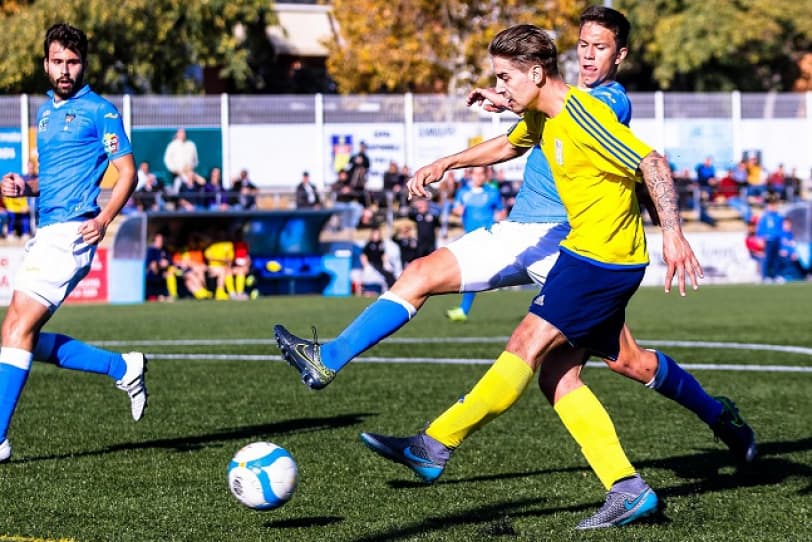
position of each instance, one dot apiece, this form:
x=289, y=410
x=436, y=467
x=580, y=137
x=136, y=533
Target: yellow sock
x=592, y=428
x=495, y=392
x=230, y=284
x=172, y=283
x=220, y=294
x=240, y=284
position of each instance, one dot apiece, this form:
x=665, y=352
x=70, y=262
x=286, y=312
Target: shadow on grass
x=298, y=523
x=495, y=520
x=197, y=442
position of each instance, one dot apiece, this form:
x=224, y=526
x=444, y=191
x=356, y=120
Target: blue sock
x=385, y=316
x=15, y=364
x=70, y=353
x=467, y=301
x=679, y=385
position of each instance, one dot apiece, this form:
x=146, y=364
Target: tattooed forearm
x=660, y=183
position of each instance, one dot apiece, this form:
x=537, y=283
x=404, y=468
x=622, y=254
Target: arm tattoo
x=660, y=183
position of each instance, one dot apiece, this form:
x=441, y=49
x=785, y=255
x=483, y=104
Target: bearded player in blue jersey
x=515, y=251
x=78, y=134
x=480, y=205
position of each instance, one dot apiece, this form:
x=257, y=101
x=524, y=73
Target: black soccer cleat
x=305, y=357
x=731, y=429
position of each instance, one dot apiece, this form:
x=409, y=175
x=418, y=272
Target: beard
x=65, y=87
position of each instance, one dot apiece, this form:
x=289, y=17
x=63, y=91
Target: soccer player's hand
x=423, y=177
x=13, y=185
x=92, y=231
x=489, y=99
x=681, y=261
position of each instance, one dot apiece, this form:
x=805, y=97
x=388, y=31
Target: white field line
x=461, y=361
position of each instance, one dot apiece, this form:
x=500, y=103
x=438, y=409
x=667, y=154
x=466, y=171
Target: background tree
x=143, y=46
x=429, y=45
x=701, y=45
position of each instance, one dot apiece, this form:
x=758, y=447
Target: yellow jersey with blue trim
x=594, y=159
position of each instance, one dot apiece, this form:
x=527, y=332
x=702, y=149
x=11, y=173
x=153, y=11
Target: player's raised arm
x=492, y=151
x=677, y=252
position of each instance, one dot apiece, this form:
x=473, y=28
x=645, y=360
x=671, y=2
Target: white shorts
x=55, y=260
x=507, y=254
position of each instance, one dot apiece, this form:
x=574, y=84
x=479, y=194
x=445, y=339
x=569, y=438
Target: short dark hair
x=69, y=36
x=526, y=44
x=611, y=19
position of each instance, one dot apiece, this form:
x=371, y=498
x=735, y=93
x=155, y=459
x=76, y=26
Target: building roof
x=302, y=28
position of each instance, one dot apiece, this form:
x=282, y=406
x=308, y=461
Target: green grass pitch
x=83, y=471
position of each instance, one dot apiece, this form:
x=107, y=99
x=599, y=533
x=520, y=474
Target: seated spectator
x=756, y=183
x=158, y=265
x=243, y=192
x=345, y=199
x=776, y=182
x=393, y=189
x=189, y=190
x=793, y=185
x=150, y=197
x=241, y=269
x=19, y=216
x=706, y=178
x=213, y=193
x=307, y=196
x=189, y=265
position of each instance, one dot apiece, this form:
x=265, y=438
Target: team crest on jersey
x=110, y=143
x=69, y=117
x=559, y=152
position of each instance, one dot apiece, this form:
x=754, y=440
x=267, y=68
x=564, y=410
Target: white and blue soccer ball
x=262, y=476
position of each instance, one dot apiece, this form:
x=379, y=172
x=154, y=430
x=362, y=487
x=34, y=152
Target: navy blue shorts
x=587, y=302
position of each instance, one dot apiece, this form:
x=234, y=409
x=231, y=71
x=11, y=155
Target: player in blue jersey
x=480, y=205
x=78, y=134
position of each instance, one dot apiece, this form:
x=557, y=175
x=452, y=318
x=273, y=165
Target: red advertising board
x=92, y=288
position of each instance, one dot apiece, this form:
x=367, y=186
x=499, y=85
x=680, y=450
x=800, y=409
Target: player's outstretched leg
x=731, y=429
x=304, y=356
x=627, y=501
x=422, y=454
x=133, y=382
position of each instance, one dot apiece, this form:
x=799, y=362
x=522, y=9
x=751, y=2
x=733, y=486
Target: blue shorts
x=587, y=302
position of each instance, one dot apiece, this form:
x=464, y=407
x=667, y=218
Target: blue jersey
x=538, y=199
x=479, y=206
x=76, y=139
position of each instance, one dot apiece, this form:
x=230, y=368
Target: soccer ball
x=262, y=475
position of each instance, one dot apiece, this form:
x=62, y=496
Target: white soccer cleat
x=133, y=382
x=5, y=451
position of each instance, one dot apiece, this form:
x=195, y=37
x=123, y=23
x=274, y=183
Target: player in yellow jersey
x=594, y=161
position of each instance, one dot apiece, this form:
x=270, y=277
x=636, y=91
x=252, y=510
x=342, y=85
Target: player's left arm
x=677, y=252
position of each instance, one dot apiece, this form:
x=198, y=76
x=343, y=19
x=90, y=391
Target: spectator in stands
x=213, y=193
x=373, y=257
x=427, y=223
x=405, y=238
x=307, y=196
x=345, y=200
x=32, y=174
x=180, y=153
x=770, y=229
x=728, y=192
x=794, y=185
x=789, y=261
x=756, y=183
x=158, y=265
x=706, y=178
x=150, y=197
x=244, y=192
x=394, y=187
x=358, y=171
x=142, y=174
x=776, y=182
x=740, y=174
x=189, y=190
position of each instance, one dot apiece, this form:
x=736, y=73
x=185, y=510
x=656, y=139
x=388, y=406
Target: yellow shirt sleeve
x=527, y=131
